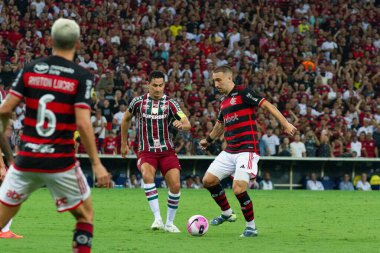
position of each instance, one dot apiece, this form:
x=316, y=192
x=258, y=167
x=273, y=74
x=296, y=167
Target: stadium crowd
x=319, y=63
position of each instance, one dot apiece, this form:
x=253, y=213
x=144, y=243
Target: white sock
x=251, y=224
x=227, y=212
x=173, y=200
x=7, y=227
x=152, y=196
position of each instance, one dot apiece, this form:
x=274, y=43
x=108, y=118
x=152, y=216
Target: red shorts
x=164, y=161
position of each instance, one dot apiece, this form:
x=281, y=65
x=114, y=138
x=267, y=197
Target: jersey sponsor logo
x=149, y=116
x=231, y=118
x=14, y=195
x=41, y=68
x=43, y=148
x=54, y=83
x=61, y=201
x=251, y=97
x=234, y=94
x=233, y=101
x=61, y=69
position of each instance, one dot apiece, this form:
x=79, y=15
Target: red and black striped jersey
x=154, y=119
x=51, y=87
x=237, y=113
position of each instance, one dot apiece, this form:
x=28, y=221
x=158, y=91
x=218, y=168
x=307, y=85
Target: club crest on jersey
x=164, y=107
x=154, y=110
x=233, y=101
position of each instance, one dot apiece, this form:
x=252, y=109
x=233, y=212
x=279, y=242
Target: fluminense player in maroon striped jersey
x=156, y=112
x=237, y=121
x=57, y=97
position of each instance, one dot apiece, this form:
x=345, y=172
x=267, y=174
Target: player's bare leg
x=212, y=184
x=148, y=173
x=6, y=214
x=240, y=190
x=172, y=178
x=83, y=232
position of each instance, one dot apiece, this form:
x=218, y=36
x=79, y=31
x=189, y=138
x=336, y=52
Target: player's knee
x=209, y=181
x=175, y=188
x=237, y=189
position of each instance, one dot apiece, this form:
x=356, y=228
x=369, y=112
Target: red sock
x=82, y=238
x=219, y=196
x=246, y=206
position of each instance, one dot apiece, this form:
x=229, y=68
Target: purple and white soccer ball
x=197, y=225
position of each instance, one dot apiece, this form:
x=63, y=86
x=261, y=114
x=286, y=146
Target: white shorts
x=242, y=166
x=69, y=188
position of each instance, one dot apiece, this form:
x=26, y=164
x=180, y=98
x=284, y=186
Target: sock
x=246, y=208
x=173, y=200
x=152, y=196
x=7, y=227
x=82, y=238
x=218, y=194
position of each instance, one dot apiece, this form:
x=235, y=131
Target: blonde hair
x=65, y=33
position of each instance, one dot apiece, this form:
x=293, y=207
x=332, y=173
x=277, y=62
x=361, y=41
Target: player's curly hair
x=156, y=74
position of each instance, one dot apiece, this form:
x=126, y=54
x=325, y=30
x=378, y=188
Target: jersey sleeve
x=132, y=108
x=176, y=110
x=83, y=96
x=18, y=85
x=250, y=97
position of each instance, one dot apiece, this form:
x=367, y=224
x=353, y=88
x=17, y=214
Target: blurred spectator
x=284, y=149
x=110, y=146
x=99, y=123
x=362, y=184
x=134, y=182
x=252, y=184
x=297, y=148
x=311, y=144
x=271, y=142
x=314, y=184
x=266, y=183
x=356, y=146
x=346, y=184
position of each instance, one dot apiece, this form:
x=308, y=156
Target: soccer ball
x=197, y=225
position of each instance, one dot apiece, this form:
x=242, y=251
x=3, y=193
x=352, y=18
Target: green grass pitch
x=288, y=221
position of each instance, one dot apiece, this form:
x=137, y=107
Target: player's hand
x=102, y=176
x=204, y=144
x=177, y=124
x=124, y=150
x=3, y=172
x=290, y=129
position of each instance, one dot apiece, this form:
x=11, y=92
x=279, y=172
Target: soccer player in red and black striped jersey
x=237, y=121
x=156, y=112
x=57, y=97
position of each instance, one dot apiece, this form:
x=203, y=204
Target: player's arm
x=87, y=137
x=181, y=122
x=6, y=109
x=289, y=128
x=125, y=125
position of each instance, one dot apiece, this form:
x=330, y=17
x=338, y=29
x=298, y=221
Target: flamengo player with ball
x=237, y=122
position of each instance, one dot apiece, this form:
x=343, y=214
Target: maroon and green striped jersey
x=154, y=118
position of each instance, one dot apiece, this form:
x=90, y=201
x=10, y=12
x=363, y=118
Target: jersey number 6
x=45, y=114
